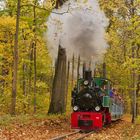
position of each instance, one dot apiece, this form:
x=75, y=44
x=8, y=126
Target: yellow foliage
x=49, y=4
x=7, y=23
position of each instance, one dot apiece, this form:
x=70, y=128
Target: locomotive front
x=93, y=103
x=86, y=96
x=86, y=104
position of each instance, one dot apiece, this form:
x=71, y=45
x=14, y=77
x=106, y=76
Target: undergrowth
x=7, y=120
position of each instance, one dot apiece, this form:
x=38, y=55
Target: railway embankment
x=45, y=128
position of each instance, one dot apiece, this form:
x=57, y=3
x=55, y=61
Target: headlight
x=85, y=83
x=75, y=108
x=97, y=108
x=88, y=95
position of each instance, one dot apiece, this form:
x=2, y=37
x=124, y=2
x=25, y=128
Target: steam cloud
x=81, y=30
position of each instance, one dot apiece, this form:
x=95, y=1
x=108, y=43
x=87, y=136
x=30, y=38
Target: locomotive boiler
x=86, y=97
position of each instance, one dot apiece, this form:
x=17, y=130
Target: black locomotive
x=93, y=104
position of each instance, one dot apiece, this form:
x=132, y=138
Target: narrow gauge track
x=74, y=135
x=77, y=135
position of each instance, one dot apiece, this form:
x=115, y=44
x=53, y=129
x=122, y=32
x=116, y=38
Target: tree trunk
x=34, y=50
x=59, y=3
x=137, y=95
x=72, y=79
x=34, y=78
x=15, y=65
x=134, y=89
x=24, y=85
x=30, y=74
x=57, y=104
x=138, y=82
x=24, y=80
x=67, y=83
x=132, y=13
x=4, y=73
x=104, y=70
x=30, y=68
x=78, y=68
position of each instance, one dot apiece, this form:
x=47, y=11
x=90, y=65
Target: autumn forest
x=27, y=68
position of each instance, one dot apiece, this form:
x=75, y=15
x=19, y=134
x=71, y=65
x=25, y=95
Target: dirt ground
x=44, y=129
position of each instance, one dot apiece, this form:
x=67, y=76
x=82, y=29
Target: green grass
x=138, y=138
x=51, y=116
x=7, y=120
x=138, y=120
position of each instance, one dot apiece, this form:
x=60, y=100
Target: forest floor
x=44, y=128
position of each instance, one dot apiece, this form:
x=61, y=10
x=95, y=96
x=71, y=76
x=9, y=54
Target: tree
x=26, y=59
x=15, y=65
x=122, y=35
x=34, y=49
x=58, y=97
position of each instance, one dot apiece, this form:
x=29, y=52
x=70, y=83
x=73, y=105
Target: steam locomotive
x=94, y=104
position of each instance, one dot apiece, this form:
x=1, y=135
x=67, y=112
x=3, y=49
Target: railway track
x=78, y=135
x=73, y=136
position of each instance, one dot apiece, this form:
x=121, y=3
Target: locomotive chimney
x=88, y=75
x=84, y=69
x=104, y=70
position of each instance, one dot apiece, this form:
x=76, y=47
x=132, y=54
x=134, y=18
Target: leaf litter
x=45, y=129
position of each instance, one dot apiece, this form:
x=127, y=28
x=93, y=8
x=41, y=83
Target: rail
x=67, y=136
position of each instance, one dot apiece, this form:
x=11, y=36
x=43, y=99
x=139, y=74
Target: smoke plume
x=80, y=28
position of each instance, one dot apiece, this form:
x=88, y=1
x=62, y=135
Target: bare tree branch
x=48, y=10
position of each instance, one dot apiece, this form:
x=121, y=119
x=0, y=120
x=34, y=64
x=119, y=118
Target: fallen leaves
x=121, y=130
x=35, y=130
x=45, y=129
